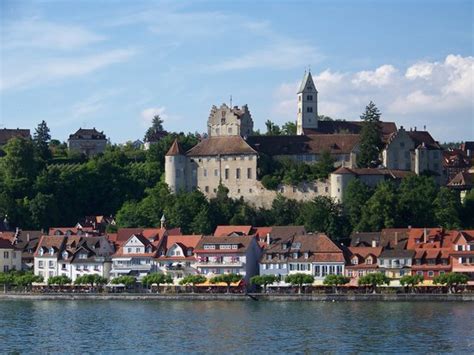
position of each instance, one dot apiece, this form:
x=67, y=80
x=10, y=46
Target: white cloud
x=437, y=94
x=35, y=33
x=20, y=75
x=282, y=54
x=381, y=76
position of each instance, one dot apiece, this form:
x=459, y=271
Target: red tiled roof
x=5, y=244
x=224, y=231
x=366, y=251
x=227, y=145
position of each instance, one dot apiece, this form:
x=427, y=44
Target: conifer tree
x=41, y=140
x=370, y=137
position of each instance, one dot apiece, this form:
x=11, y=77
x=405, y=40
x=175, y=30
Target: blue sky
x=114, y=64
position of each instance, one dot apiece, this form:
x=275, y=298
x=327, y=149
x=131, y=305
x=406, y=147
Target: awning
x=207, y=283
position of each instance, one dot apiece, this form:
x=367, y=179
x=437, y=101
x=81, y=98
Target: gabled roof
x=243, y=243
x=351, y=127
x=364, y=252
x=463, y=179
x=6, y=134
x=224, y=231
x=304, y=144
x=423, y=138
x=92, y=132
x=224, y=145
x=175, y=149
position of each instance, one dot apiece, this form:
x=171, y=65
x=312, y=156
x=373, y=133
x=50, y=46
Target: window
x=209, y=246
x=51, y=273
x=229, y=130
x=40, y=264
x=250, y=190
x=137, y=250
x=237, y=173
x=249, y=173
x=216, y=172
x=309, y=97
x=129, y=250
x=226, y=174
x=430, y=273
x=309, y=109
x=355, y=260
x=51, y=264
x=204, y=172
x=419, y=273
x=14, y=255
x=206, y=189
x=5, y=268
x=6, y=254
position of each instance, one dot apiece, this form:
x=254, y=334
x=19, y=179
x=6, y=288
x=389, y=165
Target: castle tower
x=175, y=167
x=307, y=105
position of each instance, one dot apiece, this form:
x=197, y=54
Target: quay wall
x=466, y=297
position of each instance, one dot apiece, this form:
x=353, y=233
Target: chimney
x=374, y=243
x=27, y=237
x=268, y=239
x=425, y=233
x=396, y=239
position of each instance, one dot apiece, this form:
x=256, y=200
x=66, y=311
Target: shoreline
x=469, y=297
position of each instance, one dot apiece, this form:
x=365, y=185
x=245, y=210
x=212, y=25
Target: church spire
x=307, y=105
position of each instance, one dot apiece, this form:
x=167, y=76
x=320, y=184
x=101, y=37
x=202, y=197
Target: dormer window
x=51, y=251
x=41, y=252
x=148, y=249
x=306, y=255
x=65, y=255
x=189, y=252
x=209, y=246
x=355, y=260
x=269, y=256
x=295, y=255
x=369, y=260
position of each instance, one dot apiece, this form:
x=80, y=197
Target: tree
x=380, y=211
x=60, y=280
x=411, y=281
x=374, y=280
x=157, y=278
x=324, y=166
x=452, y=280
x=289, y=128
x=6, y=279
x=41, y=139
x=126, y=280
x=335, y=281
x=91, y=280
x=447, y=208
x=355, y=197
x=299, y=279
x=416, y=195
x=156, y=126
x=193, y=280
x=467, y=211
x=263, y=280
x=370, y=137
x=228, y=279
x=272, y=128
x=26, y=279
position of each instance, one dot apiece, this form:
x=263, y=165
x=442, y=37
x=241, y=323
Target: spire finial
x=230, y=100
x=309, y=68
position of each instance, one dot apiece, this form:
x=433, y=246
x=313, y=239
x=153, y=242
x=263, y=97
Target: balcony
x=220, y=264
x=139, y=267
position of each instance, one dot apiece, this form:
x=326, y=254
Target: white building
x=72, y=256
x=10, y=256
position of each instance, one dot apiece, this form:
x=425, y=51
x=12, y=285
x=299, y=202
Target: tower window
x=237, y=173
x=299, y=98
x=309, y=97
x=309, y=109
x=226, y=174
x=299, y=110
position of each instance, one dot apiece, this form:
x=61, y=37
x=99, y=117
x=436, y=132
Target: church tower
x=307, y=105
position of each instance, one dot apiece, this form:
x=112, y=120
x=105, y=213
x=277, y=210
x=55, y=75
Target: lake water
x=234, y=327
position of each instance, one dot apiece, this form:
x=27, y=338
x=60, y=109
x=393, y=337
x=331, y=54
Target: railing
x=132, y=266
x=221, y=263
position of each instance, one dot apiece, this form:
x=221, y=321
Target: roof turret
x=175, y=149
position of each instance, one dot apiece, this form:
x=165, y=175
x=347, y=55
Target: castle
x=229, y=156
